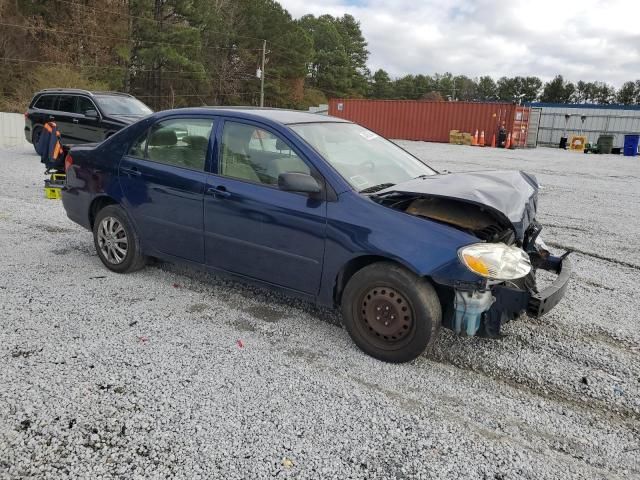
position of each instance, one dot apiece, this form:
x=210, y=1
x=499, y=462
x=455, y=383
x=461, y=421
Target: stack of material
x=460, y=138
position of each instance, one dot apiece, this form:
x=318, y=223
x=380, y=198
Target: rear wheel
x=390, y=313
x=35, y=136
x=116, y=241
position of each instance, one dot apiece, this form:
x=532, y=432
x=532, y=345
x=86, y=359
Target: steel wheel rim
x=386, y=316
x=112, y=240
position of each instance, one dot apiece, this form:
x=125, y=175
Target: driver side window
x=256, y=155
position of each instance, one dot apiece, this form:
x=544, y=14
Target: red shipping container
x=432, y=121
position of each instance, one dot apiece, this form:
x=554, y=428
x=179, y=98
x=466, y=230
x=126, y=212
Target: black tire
x=111, y=227
x=390, y=313
x=35, y=135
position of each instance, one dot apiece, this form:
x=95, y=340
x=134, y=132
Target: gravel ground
x=171, y=373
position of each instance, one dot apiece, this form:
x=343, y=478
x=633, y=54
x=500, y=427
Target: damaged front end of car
x=492, y=281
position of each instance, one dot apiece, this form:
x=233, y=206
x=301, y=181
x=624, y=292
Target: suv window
x=66, y=103
x=46, y=102
x=84, y=104
x=257, y=155
x=181, y=142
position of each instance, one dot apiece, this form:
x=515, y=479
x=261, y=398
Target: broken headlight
x=496, y=261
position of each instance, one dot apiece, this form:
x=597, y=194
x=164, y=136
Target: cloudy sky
x=582, y=40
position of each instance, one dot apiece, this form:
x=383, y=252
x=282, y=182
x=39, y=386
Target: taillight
x=68, y=161
x=26, y=115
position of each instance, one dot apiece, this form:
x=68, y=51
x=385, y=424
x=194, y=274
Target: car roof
x=277, y=115
x=81, y=91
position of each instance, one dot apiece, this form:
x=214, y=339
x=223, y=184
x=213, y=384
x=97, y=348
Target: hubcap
x=112, y=240
x=386, y=315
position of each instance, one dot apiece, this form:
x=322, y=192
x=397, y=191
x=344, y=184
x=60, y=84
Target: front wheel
x=390, y=313
x=116, y=241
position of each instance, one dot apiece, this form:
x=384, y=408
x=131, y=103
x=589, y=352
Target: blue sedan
x=325, y=210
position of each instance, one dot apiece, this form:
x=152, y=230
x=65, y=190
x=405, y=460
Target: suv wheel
x=390, y=313
x=116, y=241
x=35, y=135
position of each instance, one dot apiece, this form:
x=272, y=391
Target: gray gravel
x=142, y=375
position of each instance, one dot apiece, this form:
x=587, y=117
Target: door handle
x=51, y=117
x=131, y=171
x=219, y=191
x=75, y=120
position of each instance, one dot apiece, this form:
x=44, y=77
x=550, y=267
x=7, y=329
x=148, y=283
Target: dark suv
x=81, y=116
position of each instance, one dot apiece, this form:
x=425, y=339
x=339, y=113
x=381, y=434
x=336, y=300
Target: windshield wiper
x=377, y=188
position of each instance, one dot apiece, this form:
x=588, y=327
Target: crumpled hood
x=510, y=193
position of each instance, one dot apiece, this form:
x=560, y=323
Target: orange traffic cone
x=508, y=144
x=493, y=141
x=474, y=139
x=481, y=142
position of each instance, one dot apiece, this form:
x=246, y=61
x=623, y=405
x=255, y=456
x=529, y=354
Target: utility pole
x=264, y=52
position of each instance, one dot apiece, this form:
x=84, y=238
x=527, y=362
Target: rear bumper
x=76, y=205
x=27, y=133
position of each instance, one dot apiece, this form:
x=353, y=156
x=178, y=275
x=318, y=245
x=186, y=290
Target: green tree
x=381, y=86
x=465, y=88
x=529, y=89
x=605, y=94
x=508, y=89
x=557, y=91
x=487, y=89
x=404, y=88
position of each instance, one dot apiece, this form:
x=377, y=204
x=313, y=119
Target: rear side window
x=46, y=102
x=181, y=142
x=66, y=103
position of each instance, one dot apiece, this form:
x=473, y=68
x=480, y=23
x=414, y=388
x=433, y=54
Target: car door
x=163, y=179
x=87, y=122
x=253, y=228
x=64, y=118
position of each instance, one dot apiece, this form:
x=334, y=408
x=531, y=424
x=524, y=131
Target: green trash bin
x=605, y=143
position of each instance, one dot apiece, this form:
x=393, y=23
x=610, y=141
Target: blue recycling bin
x=631, y=145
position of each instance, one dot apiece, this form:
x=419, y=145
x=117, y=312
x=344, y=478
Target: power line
x=105, y=67
x=124, y=39
x=198, y=95
x=75, y=4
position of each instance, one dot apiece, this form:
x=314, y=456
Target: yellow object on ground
x=53, y=186
x=577, y=143
x=53, y=193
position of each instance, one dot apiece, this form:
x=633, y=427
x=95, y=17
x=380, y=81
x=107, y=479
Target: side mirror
x=298, y=182
x=91, y=113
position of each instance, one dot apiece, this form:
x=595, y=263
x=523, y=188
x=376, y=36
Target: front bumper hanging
x=511, y=302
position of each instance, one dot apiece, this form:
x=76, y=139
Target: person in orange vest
x=50, y=149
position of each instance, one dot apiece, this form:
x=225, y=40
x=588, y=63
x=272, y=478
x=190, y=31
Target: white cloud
x=580, y=39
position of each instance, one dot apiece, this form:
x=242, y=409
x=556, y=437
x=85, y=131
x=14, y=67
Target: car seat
x=162, y=147
x=285, y=162
x=236, y=162
x=195, y=151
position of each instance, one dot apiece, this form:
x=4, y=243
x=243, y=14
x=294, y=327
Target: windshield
x=121, y=105
x=365, y=160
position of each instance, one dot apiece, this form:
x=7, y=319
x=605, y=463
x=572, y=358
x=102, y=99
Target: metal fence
x=557, y=120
